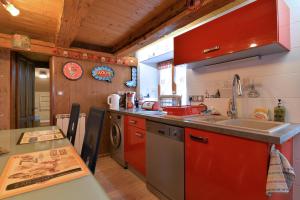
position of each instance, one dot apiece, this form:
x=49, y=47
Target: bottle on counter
x=136, y=102
x=279, y=112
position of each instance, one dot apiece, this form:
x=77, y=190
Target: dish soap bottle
x=279, y=112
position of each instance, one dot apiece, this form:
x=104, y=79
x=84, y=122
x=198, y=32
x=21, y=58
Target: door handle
x=140, y=135
x=132, y=122
x=199, y=139
x=215, y=48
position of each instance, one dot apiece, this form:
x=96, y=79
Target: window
x=172, y=80
x=180, y=81
x=165, y=78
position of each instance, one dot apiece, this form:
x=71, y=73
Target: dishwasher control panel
x=173, y=132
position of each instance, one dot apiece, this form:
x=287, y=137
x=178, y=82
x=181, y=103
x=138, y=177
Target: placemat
x=32, y=171
x=40, y=136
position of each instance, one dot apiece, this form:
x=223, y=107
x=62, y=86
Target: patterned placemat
x=32, y=171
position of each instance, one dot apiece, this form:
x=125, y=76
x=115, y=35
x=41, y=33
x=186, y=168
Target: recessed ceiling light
x=10, y=8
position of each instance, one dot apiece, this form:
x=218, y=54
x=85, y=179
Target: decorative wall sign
x=103, y=73
x=133, y=82
x=72, y=71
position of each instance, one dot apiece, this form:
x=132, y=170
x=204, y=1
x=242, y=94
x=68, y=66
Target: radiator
x=62, y=121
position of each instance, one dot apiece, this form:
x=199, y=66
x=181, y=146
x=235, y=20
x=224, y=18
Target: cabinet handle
x=199, y=139
x=215, y=48
x=139, y=134
x=132, y=122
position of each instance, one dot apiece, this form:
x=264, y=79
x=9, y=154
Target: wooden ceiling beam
x=74, y=11
x=177, y=16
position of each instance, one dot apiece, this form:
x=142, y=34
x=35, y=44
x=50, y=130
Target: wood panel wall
x=4, y=89
x=87, y=91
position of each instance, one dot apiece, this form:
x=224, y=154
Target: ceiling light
x=10, y=8
x=43, y=75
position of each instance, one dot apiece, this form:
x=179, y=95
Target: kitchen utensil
x=113, y=101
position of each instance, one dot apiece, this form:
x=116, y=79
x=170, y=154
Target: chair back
x=73, y=122
x=92, y=137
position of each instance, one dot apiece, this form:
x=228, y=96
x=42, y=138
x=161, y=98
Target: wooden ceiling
x=113, y=26
x=114, y=20
x=38, y=19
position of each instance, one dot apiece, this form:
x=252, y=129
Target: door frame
x=13, y=86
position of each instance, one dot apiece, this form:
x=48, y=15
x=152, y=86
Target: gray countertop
x=276, y=137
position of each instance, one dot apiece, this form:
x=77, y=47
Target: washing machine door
x=115, y=135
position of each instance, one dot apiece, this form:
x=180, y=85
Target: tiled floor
x=120, y=184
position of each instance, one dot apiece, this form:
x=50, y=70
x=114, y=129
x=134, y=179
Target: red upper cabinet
x=259, y=28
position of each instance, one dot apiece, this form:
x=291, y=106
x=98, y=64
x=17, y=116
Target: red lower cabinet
x=135, y=146
x=220, y=167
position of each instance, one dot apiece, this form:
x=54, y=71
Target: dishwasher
x=165, y=160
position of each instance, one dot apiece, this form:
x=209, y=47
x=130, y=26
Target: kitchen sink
x=205, y=118
x=253, y=125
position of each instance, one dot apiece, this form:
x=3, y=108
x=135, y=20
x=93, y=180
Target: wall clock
x=103, y=73
x=72, y=71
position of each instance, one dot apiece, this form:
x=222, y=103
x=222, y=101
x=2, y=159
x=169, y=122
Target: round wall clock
x=72, y=71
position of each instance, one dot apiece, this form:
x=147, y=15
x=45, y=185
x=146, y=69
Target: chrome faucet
x=236, y=90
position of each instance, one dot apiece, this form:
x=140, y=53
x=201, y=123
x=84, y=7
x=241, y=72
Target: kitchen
x=221, y=147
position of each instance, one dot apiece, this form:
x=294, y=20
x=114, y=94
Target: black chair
x=72, y=127
x=91, y=143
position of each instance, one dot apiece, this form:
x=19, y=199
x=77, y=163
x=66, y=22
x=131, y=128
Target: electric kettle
x=113, y=101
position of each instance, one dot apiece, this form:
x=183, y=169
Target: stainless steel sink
x=253, y=125
x=205, y=118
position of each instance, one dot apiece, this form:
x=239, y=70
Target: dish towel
x=281, y=175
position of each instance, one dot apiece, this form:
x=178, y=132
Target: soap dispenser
x=279, y=112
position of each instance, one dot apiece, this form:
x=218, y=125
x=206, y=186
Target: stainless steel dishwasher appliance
x=165, y=160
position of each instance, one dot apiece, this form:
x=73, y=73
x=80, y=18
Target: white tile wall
x=276, y=76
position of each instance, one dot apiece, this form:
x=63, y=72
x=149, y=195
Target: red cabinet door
x=224, y=167
x=135, y=147
x=136, y=121
x=254, y=25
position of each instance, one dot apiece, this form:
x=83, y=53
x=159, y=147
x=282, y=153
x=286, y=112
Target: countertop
x=276, y=137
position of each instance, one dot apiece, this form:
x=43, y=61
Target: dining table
x=83, y=188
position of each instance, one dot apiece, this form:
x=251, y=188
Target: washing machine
x=117, y=138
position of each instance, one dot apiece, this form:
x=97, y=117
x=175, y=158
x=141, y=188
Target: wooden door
x=24, y=92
